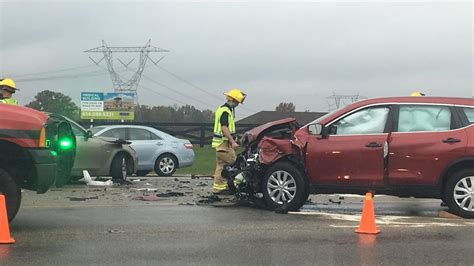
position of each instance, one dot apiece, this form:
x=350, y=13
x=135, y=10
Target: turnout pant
x=224, y=155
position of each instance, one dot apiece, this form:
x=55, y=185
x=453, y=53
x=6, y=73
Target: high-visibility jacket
x=9, y=101
x=219, y=137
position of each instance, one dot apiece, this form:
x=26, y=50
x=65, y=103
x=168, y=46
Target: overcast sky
x=274, y=51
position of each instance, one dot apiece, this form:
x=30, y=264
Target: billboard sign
x=107, y=106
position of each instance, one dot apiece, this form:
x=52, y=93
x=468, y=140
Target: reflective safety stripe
x=219, y=187
x=9, y=101
x=219, y=137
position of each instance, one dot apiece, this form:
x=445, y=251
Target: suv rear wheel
x=12, y=193
x=459, y=193
x=283, y=182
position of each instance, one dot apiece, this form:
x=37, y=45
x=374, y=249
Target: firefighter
x=417, y=93
x=7, y=89
x=223, y=140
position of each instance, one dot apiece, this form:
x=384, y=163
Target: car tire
x=119, y=167
x=284, y=182
x=12, y=192
x=142, y=172
x=459, y=193
x=166, y=165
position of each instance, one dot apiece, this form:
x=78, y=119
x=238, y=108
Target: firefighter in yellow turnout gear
x=223, y=140
x=7, y=89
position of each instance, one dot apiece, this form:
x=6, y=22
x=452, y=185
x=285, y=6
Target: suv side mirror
x=318, y=129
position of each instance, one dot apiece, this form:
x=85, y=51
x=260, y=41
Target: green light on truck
x=65, y=144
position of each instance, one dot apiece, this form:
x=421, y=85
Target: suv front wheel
x=283, y=182
x=459, y=193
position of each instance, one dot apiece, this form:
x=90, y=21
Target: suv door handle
x=159, y=144
x=451, y=140
x=373, y=145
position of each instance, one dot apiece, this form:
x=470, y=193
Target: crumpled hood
x=258, y=132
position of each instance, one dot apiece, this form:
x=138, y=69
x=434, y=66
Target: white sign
x=92, y=106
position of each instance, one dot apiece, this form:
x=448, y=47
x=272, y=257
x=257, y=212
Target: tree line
x=59, y=103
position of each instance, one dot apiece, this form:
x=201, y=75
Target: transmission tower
x=342, y=100
x=131, y=84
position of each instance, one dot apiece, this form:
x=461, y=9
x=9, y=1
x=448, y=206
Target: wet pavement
x=95, y=226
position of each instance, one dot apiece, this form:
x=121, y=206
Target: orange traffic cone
x=367, y=220
x=4, y=227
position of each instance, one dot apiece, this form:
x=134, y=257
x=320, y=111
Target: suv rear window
x=424, y=118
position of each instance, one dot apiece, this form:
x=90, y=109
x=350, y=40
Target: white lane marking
x=392, y=221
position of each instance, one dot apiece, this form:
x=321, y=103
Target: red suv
x=404, y=146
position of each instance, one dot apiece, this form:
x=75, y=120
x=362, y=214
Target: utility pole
x=130, y=85
x=342, y=100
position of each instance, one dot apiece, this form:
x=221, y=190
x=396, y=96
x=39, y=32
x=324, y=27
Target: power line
x=52, y=71
x=197, y=87
x=79, y=75
x=176, y=91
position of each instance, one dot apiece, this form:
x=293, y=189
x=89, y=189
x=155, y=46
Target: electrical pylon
x=130, y=85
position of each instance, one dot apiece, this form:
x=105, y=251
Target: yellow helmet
x=9, y=84
x=236, y=94
x=417, y=93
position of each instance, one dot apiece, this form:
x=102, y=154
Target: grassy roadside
x=204, y=162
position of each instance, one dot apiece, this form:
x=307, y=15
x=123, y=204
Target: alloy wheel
x=166, y=165
x=464, y=193
x=281, y=187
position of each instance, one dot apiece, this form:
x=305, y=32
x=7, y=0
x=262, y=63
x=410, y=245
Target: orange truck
x=36, y=151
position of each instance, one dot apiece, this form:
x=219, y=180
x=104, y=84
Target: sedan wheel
x=284, y=184
x=459, y=193
x=166, y=165
x=119, y=167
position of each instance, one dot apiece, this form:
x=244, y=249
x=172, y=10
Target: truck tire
x=12, y=192
x=459, y=193
x=283, y=182
x=119, y=167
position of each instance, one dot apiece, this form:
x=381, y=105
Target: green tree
x=285, y=107
x=55, y=102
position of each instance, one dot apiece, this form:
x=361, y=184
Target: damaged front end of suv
x=265, y=173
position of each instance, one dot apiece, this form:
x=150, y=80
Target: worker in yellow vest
x=224, y=138
x=7, y=89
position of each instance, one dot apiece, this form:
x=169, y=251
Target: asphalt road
x=105, y=230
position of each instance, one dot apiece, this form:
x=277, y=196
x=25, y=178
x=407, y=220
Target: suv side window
x=413, y=118
x=469, y=114
x=367, y=121
x=118, y=133
x=141, y=134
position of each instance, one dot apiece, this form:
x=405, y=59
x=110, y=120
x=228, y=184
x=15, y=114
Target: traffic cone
x=4, y=227
x=367, y=220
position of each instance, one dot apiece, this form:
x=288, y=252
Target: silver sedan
x=156, y=150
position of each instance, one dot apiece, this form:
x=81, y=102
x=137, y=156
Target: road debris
x=90, y=182
x=115, y=231
x=145, y=189
x=81, y=199
x=147, y=198
x=170, y=194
